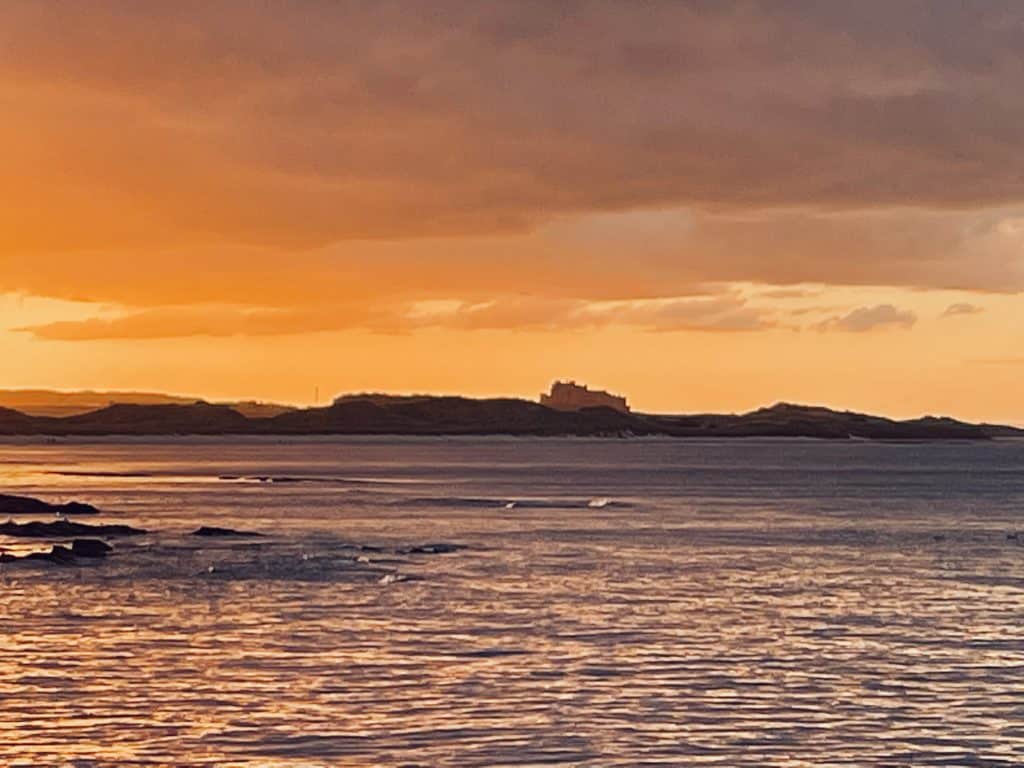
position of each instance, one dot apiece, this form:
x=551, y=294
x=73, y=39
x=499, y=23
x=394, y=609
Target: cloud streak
x=962, y=308
x=726, y=312
x=865, y=319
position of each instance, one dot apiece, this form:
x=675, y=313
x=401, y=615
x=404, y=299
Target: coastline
x=457, y=416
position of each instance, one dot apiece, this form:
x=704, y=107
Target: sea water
x=592, y=602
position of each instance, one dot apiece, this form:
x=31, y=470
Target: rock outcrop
x=26, y=505
x=213, y=531
x=64, y=529
x=90, y=548
x=59, y=554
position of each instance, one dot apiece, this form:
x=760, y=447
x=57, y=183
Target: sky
x=705, y=206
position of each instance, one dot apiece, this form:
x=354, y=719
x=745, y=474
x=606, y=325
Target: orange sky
x=704, y=206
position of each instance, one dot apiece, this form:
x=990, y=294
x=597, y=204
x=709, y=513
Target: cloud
x=962, y=308
x=527, y=312
x=570, y=259
x=726, y=312
x=186, y=321
x=865, y=319
x=788, y=293
x=373, y=105
x=721, y=313
x=302, y=124
x=296, y=155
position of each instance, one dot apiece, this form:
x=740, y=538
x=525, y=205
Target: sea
x=521, y=602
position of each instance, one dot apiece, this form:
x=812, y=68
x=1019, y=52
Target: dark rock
x=76, y=508
x=26, y=505
x=58, y=554
x=431, y=549
x=212, y=531
x=90, y=548
x=61, y=555
x=63, y=529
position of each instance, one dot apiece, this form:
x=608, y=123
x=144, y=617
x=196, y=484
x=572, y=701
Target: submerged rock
x=62, y=529
x=58, y=554
x=26, y=505
x=212, y=531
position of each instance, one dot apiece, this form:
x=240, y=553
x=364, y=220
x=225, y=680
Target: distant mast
x=570, y=396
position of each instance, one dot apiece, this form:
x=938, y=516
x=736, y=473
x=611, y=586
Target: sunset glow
x=232, y=201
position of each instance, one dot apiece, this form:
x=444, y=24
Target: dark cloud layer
x=263, y=146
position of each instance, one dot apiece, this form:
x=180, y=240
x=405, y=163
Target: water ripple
x=654, y=634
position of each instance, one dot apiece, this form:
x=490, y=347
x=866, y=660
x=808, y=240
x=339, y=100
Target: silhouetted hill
x=788, y=420
x=378, y=414
x=14, y=422
x=127, y=419
x=49, y=402
x=426, y=415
